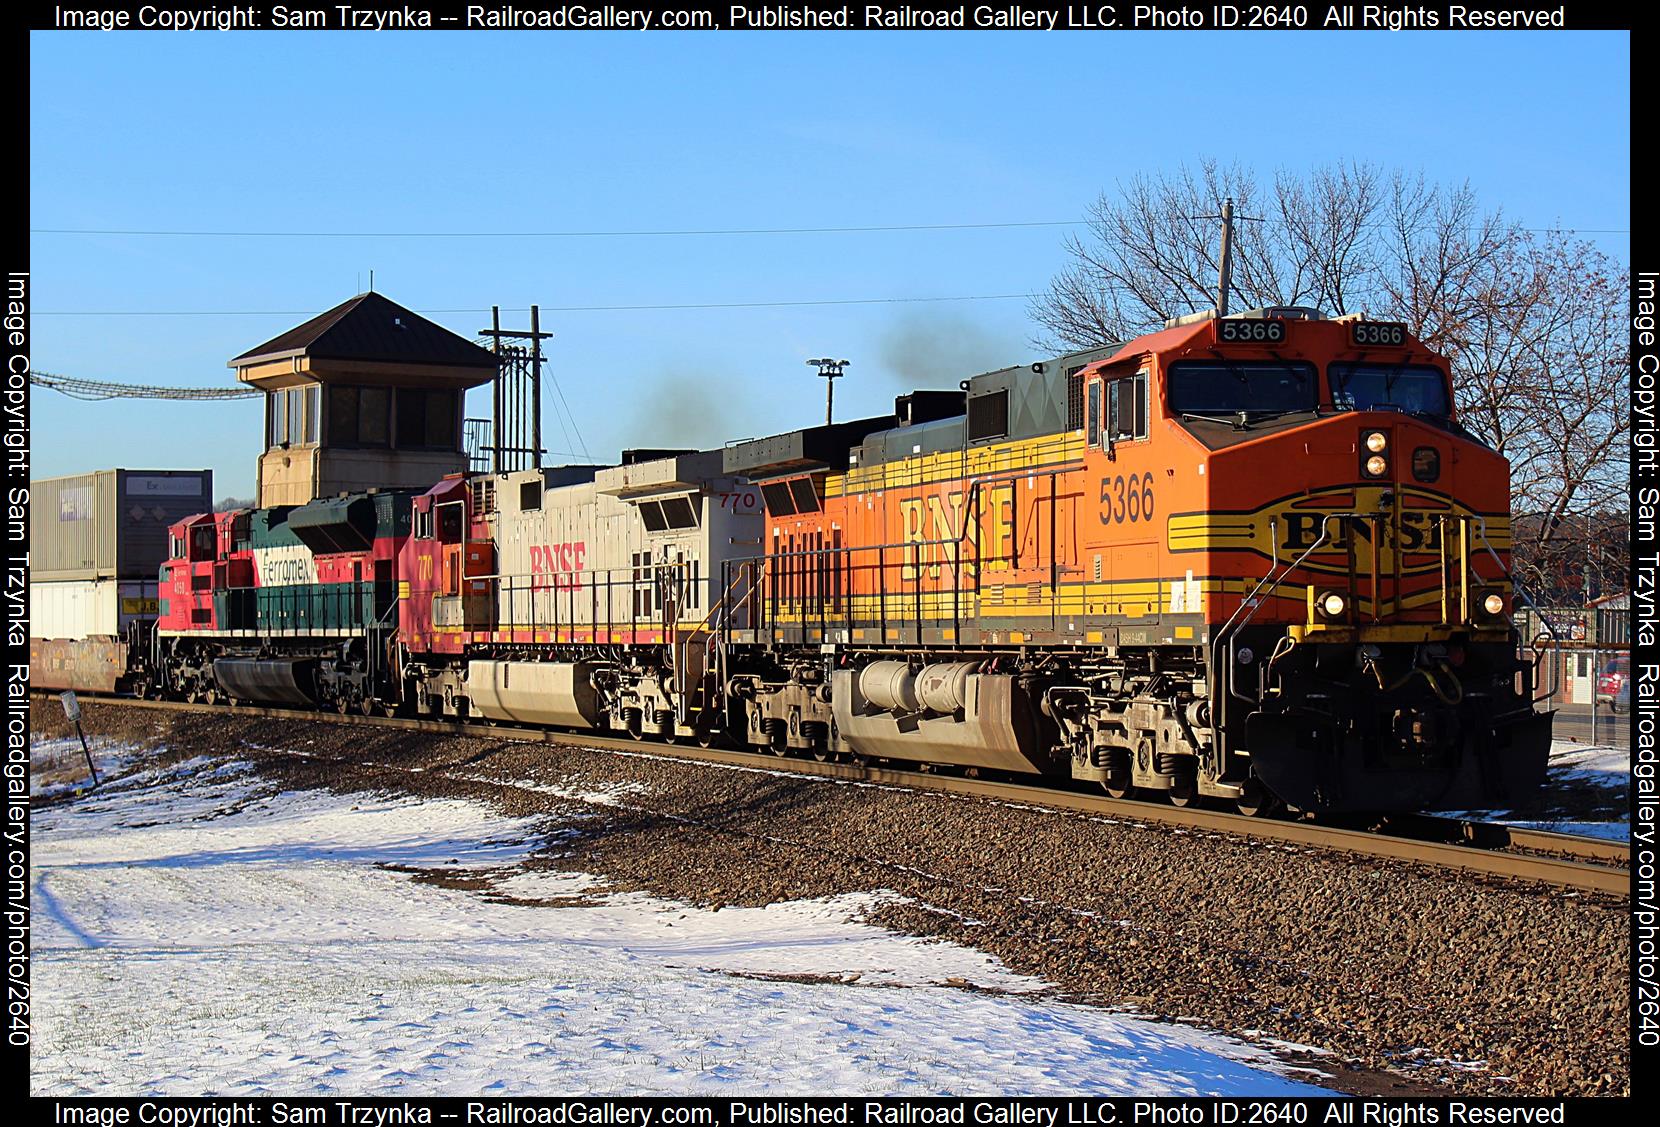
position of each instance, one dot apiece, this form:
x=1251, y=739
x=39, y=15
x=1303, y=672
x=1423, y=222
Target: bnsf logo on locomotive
x=1415, y=524
x=557, y=565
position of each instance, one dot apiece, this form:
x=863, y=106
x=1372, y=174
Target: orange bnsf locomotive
x=1253, y=559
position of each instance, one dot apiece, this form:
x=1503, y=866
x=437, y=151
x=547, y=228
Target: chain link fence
x=1590, y=687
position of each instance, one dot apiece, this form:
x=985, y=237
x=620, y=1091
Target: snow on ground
x=59, y=766
x=197, y=933
x=1602, y=766
x=1574, y=769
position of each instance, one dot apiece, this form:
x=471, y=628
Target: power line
x=645, y=234
x=552, y=234
x=546, y=308
x=102, y=389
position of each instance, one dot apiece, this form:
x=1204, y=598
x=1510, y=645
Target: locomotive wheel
x=708, y=737
x=1255, y=800
x=342, y=705
x=1185, y=793
x=366, y=707
x=1118, y=787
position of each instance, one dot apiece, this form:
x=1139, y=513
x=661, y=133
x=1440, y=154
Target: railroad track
x=1581, y=864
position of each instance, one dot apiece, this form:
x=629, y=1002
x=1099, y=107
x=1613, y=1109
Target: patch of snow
x=1600, y=765
x=1611, y=831
x=611, y=794
x=1573, y=766
x=201, y=934
x=58, y=767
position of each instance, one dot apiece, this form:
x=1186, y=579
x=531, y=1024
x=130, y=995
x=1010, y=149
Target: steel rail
x=1564, y=861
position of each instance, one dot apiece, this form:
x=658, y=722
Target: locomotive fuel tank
x=268, y=680
x=993, y=724
x=561, y=693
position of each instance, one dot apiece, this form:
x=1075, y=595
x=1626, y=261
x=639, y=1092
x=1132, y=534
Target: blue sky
x=627, y=132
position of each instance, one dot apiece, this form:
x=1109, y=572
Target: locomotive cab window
x=1415, y=389
x=202, y=542
x=1223, y=389
x=1092, y=421
x=1127, y=408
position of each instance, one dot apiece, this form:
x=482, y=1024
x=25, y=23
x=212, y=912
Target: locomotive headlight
x=1377, y=465
x=1333, y=604
x=1493, y=604
x=1376, y=441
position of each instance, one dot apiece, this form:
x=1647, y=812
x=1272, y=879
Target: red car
x=1614, y=686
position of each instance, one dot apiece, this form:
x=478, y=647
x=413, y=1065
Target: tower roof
x=370, y=327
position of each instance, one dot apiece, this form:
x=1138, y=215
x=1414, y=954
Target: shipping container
x=89, y=608
x=111, y=524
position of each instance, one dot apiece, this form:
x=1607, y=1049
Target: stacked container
x=96, y=545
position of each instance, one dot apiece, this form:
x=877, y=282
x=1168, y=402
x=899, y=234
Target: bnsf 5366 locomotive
x=1253, y=558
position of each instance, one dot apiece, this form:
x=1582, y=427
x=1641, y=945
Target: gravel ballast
x=1410, y=980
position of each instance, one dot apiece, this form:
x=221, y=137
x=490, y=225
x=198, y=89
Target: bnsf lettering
x=1420, y=532
x=557, y=565
x=932, y=527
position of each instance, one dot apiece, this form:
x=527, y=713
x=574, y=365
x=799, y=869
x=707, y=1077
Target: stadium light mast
x=831, y=371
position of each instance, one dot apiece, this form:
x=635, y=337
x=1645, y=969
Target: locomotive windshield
x=1220, y=387
x=1365, y=387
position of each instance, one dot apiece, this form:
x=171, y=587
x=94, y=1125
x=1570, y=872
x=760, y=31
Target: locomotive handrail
x=911, y=550
x=571, y=582
x=1226, y=636
x=680, y=703
x=1556, y=639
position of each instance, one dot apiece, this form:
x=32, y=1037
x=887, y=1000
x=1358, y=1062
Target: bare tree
x=1530, y=322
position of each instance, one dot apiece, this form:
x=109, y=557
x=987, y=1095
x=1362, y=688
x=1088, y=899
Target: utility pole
x=514, y=444
x=831, y=371
x=1224, y=265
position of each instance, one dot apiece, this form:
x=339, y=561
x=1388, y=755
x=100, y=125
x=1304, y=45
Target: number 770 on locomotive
x=1254, y=559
